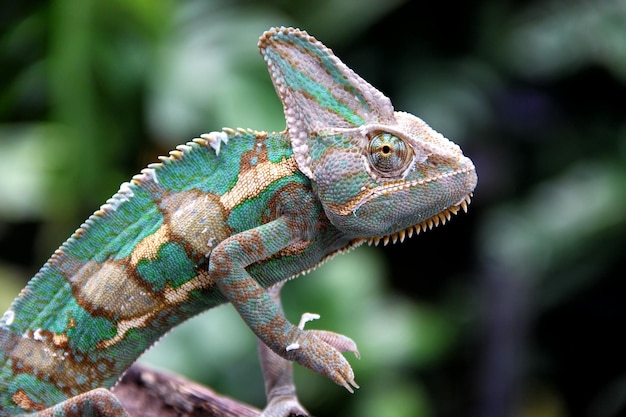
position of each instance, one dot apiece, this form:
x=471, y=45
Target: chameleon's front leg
x=280, y=389
x=227, y=268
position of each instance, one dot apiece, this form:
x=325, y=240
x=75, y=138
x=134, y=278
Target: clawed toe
x=350, y=385
x=338, y=341
x=329, y=345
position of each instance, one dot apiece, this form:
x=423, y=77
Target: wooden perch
x=146, y=392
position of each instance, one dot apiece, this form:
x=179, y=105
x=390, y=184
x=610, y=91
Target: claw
x=349, y=385
x=346, y=381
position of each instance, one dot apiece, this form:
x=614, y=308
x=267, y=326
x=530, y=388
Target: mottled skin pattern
x=222, y=219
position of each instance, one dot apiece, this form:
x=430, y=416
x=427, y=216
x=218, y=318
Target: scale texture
x=224, y=218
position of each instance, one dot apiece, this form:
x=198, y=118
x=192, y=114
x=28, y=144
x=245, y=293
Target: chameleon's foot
x=282, y=400
x=284, y=406
x=340, y=371
x=320, y=350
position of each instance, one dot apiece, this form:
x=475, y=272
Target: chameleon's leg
x=99, y=402
x=280, y=389
x=227, y=267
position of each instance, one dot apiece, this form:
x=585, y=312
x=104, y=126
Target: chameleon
x=227, y=218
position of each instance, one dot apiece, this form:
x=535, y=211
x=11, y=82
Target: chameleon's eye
x=388, y=154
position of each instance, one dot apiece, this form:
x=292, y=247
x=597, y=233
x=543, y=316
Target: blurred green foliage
x=515, y=309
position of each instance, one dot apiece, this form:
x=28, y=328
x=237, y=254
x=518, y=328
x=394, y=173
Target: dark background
x=514, y=309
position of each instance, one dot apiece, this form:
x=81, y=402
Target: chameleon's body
x=220, y=220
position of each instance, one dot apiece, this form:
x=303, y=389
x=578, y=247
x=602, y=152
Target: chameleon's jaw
x=428, y=224
x=428, y=195
x=461, y=178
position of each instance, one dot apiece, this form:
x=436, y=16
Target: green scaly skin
x=222, y=219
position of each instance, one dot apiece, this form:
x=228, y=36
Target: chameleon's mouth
x=429, y=223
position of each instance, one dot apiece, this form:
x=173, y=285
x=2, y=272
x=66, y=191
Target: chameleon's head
x=382, y=180
x=377, y=172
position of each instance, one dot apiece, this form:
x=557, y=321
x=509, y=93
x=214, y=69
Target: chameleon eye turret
x=389, y=155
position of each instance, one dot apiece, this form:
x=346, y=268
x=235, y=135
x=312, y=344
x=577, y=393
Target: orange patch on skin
x=171, y=297
x=252, y=182
x=179, y=295
x=54, y=364
x=295, y=248
x=123, y=326
x=149, y=246
x=122, y=297
x=256, y=156
x=195, y=219
x=60, y=339
x=23, y=400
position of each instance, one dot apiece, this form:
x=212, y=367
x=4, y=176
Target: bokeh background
x=514, y=309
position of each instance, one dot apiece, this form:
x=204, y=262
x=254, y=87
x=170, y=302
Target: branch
x=147, y=392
